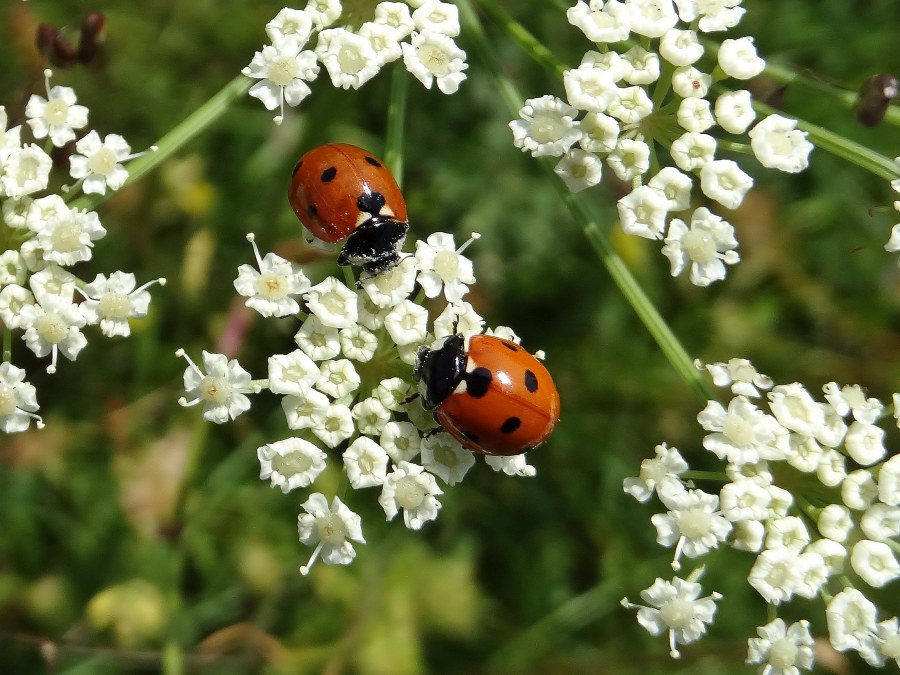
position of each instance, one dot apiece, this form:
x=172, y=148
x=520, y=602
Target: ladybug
x=495, y=398
x=340, y=191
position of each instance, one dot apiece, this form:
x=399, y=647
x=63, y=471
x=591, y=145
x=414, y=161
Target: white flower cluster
x=830, y=536
x=423, y=38
x=43, y=236
x=349, y=387
x=637, y=107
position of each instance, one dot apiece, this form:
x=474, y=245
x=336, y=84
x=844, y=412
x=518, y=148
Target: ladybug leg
x=409, y=399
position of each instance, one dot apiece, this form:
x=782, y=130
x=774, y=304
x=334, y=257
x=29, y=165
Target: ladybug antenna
x=475, y=237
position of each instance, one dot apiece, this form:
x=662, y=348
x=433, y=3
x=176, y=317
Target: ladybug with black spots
x=340, y=191
x=494, y=397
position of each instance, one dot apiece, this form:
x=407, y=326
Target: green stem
x=192, y=126
x=393, y=151
x=7, y=345
x=522, y=37
x=617, y=269
x=839, y=146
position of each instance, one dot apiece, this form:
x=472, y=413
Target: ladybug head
x=375, y=245
x=439, y=371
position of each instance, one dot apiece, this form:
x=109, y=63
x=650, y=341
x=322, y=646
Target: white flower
x=358, y=343
x=389, y=288
x=384, y=40
x=852, y=398
x=745, y=434
x=26, y=170
x=674, y=607
x=221, y=389
x=740, y=375
x=643, y=66
x=776, y=575
x=631, y=105
x=888, y=478
x=600, y=133
x=778, y=144
x=715, y=15
x=693, y=150
x=667, y=465
x=601, y=22
x=350, y=59
x=293, y=25
x=395, y=15
x=692, y=522
x=881, y=522
x=688, y=82
x=407, y=323
x=410, y=488
x=738, y=58
x=13, y=299
x=851, y=620
x=680, y=47
x=437, y=17
x=305, y=411
x=887, y=642
x=99, y=163
x=788, y=532
x=629, y=159
x=337, y=378
x=443, y=456
x=865, y=443
x=290, y=463
x=442, y=265
x=724, y=181
x=113, y=301
x=435, y=57
x=459, y=318
x=744, y=499
x=511, y=465
x=336, y=425
x=546, y=126
x=366, y=463
x=859, y=490
x=330, y=530
x=694, y=114
x=642, y=212
x=782, y=650
x=292, y=373
x=652, y=18
x=319, y=341
x=579, y=170
x=323, y=12
x=393, y=392
x=18, y=400
x=675, y=185
x=832, y=468
x=748, y=535
x=269, y=289
x=333, y=303
x=708, y=244
x=734, y=111
x=66, y=237
x=795, y=409
x=832, y=553
x=371, y=416
x=589, y=88
x=56, y=116
x=835, y=522
x=53, y=325
x=400, y=440
x=874, y=562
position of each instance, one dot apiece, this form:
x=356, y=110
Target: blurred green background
x=119, y=552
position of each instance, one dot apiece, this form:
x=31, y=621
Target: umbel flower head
x=833, y=535
x=40, y=298
x=662, y=103
x=347, y=389
x=304, y=40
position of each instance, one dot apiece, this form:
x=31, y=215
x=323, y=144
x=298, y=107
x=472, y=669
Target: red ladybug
x=496, y=398
x=340, y=191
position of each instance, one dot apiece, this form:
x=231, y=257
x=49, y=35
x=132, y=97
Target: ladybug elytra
x=340, y=191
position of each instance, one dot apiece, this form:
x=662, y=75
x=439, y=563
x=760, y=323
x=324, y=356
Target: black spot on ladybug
x=374, y=162
x=370, y=202
x=297, y=167
x=477, y=382
x=511, y=346
x=531, y=383
x=510, y=425
x=472, y=437
x=329, y=174
x=311, y=210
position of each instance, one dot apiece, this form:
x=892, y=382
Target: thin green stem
x=522, y=37
x=393, y=152
x=189, y=128
x=842, y=147
x=617, y=269
x=7, y=345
